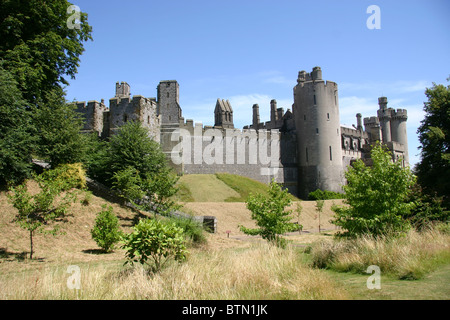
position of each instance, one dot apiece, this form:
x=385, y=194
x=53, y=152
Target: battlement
x=400, y=114
x=122, y=89
x=304, y=76
x=382, y=102
x=371, y=121
x=198, y=128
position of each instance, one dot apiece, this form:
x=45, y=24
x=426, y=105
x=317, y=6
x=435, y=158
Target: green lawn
x=434, y=286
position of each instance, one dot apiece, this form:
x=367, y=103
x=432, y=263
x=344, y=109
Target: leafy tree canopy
x=38, y=47
x=433, y=170
x=377, y=196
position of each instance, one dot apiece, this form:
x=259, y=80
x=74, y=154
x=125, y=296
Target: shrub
x=106, y=229
x=67, y=176
x=156, y=241
x=324, y=195
x=192, y=230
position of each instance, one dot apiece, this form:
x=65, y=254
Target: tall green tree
x=58, y=137
x=38, y=46
x=138, y=169
x=16, y=132
x=377, y=196
x=433, y=170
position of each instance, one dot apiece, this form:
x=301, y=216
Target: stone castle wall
x=304, y=149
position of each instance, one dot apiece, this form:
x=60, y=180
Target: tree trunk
x=31, y=245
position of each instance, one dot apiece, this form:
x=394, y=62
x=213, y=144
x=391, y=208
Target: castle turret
x=384, y=114
x=122, y=90
x=399, y=132
x=318, y=133
x=169, y=102
x=359, y=126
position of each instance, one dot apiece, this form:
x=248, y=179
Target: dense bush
x=106, y=232
x=192, y=230
x=324, y=195
x=154, y=240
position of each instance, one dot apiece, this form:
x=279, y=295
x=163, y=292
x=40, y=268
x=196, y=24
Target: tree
x=37, y=212
x=139, y=170
x=156, y=241
x=133, y=147
x=106, y=232
x=58, y=125
x=270, y=215
x=38, y=46
x=319, y=209
x=377, y=196
x=16, y=132
x=433, y=170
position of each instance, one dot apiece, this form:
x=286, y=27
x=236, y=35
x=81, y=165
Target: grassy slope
x=219, y=187
x=250, y=267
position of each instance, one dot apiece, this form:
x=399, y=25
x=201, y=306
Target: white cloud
x=350, y=106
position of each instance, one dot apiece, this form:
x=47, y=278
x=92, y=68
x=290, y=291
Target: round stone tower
x=399, y=132
x=316, y=110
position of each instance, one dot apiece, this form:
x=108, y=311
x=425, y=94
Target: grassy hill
x=235, y=267
x=219, y=187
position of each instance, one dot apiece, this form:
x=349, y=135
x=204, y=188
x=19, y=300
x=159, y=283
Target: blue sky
x=250, y=51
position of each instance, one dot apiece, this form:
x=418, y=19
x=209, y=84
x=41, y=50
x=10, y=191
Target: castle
x=304, y=149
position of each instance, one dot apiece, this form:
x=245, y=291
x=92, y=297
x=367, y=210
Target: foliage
x=192, y=230
x=319, y=208
x=156, y=241
x=106, y=232
x=67, y=176
x=377, y=196
x=96, y=158
x=324, y=195
x=140, y=171
x=270, y=215
x=427, y=209
x=132, y=147
x=16, y=141
x=58, y=138
x=37, y=211
x=37, y=46
x=433, y=170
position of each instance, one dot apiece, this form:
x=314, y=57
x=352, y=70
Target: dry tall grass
x=407, y=257
x=258, y=272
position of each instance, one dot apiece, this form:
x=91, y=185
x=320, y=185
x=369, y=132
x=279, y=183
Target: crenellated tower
x=316, y=110
x=169, y=102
